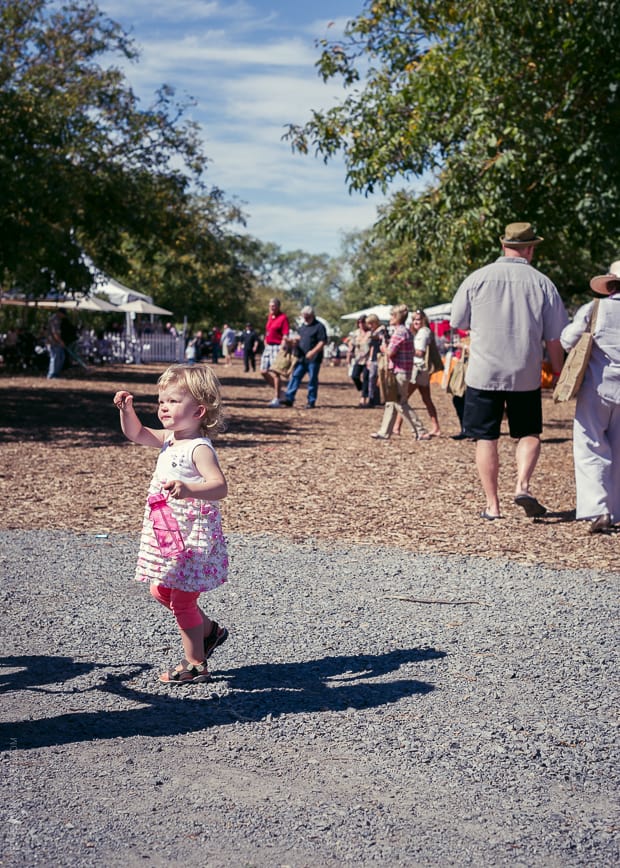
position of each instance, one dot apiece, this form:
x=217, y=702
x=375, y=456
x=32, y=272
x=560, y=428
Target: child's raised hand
x=123, y=400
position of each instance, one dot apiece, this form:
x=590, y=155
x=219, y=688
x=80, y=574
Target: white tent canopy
x=328, y=328
x=381, y=311
x=115, y=291
x=438, y=311
x=142, y=306
x=92, y=303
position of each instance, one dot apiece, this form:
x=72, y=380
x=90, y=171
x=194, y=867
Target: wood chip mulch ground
x=292, y=472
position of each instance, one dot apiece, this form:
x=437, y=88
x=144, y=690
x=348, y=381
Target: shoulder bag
x=574, y=369
x=388, y=385
x=456, y=381
x=432, y=360
x=284, y=363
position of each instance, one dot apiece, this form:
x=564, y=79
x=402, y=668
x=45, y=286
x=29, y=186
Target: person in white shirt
x=510, y=309
x=596, y=429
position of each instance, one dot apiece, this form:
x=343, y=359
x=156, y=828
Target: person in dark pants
x=312, y=339
x=250, y=347
x=215, y=337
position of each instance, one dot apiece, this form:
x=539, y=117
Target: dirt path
x=293, y=472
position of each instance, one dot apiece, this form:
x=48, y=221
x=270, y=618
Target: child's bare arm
x=131, y=425
x=213, y=484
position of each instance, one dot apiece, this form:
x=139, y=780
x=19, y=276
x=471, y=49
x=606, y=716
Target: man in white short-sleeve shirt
x=510, y=309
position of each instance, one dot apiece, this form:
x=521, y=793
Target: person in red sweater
x=276, y=330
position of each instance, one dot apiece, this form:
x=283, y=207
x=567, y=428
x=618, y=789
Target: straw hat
x=606, y=284
x=520, y=235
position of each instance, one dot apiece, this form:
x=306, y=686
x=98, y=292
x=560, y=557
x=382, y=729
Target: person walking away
x=456, y=390
x=377, y=336
x=55, y=344
x=228, y=342
x=399, y=352
x=596, y=429
x=193, y=350
x=357, y=357
x=510, y=308
x=187, y=470
x=202, y=347
x=312, y=340
x=216, y=337
x=276, y=330
x=420, y=377
x=249, y=339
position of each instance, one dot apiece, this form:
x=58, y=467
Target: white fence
x=137, y=349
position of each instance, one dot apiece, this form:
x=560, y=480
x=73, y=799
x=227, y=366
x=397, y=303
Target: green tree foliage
x=384, y=273
x=297, y=278
x=197, y=270
x=507, y=112
x=85, y=169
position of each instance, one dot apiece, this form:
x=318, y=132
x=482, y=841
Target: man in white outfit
x=510, y=309
x=596, y=430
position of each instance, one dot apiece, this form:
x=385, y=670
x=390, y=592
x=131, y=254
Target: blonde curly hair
x=204, y=387
x=401, y=312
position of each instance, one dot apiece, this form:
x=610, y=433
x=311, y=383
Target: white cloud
x=251, y=166
x=315, y=228
x=278, y=99
x=213, y=47
x=176, y=10
x=251, y=70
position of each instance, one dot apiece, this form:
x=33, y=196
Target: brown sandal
x=186, y=673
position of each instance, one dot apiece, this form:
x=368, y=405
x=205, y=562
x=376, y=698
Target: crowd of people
x=50, y=350
x=511, y=312
x=408, y=349
x=512, y=315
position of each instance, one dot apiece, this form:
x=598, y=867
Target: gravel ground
x=373, y=706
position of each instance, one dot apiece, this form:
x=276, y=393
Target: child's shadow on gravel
x=257, y=691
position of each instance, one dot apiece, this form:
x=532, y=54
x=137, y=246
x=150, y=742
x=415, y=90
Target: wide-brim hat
x=520, y=235
x=606, y=284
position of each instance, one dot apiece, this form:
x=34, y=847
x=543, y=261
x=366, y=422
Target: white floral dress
x=204, y=563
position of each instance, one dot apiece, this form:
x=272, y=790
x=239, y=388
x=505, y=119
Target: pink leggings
x=182, y=604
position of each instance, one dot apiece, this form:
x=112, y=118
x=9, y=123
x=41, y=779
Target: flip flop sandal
x=186, y=673
x=488, y=516
x=533, y=509
x=216, y=637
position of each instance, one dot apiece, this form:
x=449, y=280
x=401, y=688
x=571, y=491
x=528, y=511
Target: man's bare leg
x=487, y=462
x=273, y=380
x=527, y=453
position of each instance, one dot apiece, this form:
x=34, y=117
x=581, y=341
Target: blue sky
x=250, y=67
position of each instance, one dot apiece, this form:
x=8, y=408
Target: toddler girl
x=188, y=470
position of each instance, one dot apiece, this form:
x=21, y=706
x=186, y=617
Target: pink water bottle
x=165, y=526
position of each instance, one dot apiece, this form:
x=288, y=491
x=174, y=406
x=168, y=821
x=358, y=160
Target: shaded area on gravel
x=372, y=706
